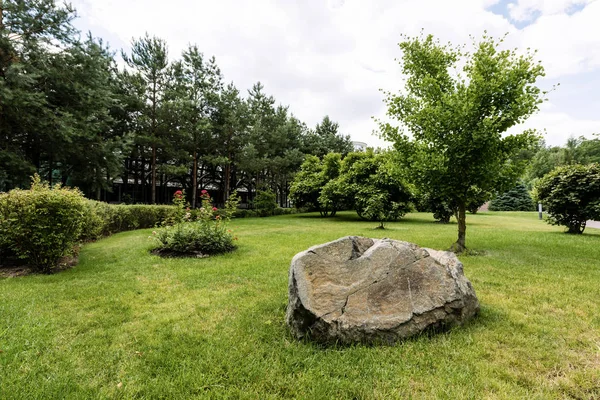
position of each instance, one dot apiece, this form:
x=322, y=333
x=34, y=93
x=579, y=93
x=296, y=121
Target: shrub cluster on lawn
x=369, y=182
x=571, y=195
x=206, y=234
x=42, y=225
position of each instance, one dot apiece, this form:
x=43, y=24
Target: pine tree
x=149, y=57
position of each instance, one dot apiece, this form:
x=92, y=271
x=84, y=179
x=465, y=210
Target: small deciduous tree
x=571, y=195
x=309, y=183
x=457, y=119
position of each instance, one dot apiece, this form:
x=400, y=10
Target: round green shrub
x=571, y=195
x=265, y=203
x=41, y=225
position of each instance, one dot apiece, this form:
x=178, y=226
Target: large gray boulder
x=357, y=289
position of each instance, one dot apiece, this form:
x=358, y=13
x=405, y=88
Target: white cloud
x=333, y=57
x=525, y=10
x=567, y=44
x=558, y=126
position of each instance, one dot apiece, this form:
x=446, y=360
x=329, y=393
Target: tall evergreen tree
x=149, y=57
x=28, y=32
x=326, y=138
x=230, y=132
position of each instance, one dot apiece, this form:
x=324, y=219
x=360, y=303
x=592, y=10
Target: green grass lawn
x=127, y=324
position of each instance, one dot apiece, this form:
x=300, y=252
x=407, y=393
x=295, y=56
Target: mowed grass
x=127, y=324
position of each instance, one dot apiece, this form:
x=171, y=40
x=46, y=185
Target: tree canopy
x=71, y=114
x=457, y=107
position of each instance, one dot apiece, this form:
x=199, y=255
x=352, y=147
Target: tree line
x=72, y=113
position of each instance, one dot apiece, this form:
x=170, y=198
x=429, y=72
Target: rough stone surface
x=357, y=289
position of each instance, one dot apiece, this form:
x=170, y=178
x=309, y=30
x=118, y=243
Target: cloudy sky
x=333, y=56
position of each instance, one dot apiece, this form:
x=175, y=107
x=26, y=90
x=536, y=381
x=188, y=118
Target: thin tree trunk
x=97, y=184
x=460, y=245
x=227, y=182
x=144, y=180
x=125, y=177
x=153, y=199
x=161, y=199
x=50, y=170
x=194, y=179
x=136, y=182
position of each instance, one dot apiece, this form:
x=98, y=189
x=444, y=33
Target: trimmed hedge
x=102, y=219
x=249, y=213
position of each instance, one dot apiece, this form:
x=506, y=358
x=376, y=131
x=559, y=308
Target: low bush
x=207, y=235
x=193, y=238
x=41, y=225
x=265, y=203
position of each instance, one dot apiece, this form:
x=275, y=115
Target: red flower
x=214, y=208
x=203, y=192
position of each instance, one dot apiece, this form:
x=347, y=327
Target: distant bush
x=516, y=199
x=41, y=225
x=265, y=202
x=249, y=213
x=372, y=184
x=571, y=195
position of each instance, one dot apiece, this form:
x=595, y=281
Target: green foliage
x=189, y=238
x=69, y=113
x=575, y=151
x=516, y=199
x=102, y=219
x=309, y=183
x=457, y=121
x=571, y=196
x=265, y=202
x=41, y=225
x=443, y=208
x=60, y=100
x=373, y=184
x=326, y=139
x=205, y=236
